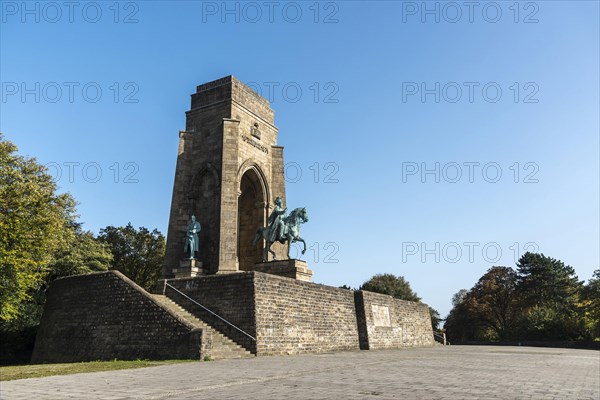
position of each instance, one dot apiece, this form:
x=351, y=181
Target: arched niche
x=252, y=204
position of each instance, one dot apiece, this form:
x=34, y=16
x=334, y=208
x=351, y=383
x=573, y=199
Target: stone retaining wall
x=386, y=322
x=295, y=317
x=231, y=296
x=105, y=316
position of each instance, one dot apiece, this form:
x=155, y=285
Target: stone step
x=221, y=346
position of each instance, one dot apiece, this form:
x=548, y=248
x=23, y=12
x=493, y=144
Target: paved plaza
x=451, y=372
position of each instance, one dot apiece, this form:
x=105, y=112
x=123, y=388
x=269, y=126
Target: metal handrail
x=216, y=315
x=441, y=337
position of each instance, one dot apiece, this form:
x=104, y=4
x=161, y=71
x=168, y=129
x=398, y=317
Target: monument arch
x=203, y=194
x=253, y=201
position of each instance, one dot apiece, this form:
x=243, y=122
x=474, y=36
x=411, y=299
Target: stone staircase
x=217, y=345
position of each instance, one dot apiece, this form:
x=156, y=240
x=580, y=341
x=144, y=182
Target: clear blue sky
x=362, y=68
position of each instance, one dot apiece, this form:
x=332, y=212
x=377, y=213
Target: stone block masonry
x=231, y=296
x=294, y=317
x=105, y=316
x=389, y=323
x=289, y=316
x=286, y=316
x=228, y=173
x=296, y=269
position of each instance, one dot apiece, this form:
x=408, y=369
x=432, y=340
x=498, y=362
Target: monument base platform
x=295, y=269
x=188, y=269
x=282, y=315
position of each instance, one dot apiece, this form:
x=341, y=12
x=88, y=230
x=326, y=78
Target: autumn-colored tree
x=541, y=300
x=476, y=314
x=461, y=324
x=494, y=302
x=459, y=296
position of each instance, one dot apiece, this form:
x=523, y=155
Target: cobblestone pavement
x=452, y=372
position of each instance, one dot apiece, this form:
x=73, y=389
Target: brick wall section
x=392, y=323
x=285, y=315
x=106, y=316
x=294, y=317
x=231, y=296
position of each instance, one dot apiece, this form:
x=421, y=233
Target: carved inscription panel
x=381, y=315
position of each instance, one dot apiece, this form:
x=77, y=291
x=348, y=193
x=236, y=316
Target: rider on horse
x=276, y=222
x=281, y=228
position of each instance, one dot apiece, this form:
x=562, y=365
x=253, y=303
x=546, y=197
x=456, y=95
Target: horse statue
x=289, y=232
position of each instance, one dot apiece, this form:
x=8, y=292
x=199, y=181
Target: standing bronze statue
x=192, y=242
x=281, y=228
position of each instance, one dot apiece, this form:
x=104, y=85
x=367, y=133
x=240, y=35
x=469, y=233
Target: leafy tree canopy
x=395, y=286
x=591, y=297
x=436, y=319
x=459, y=296
x=138, y=254
x=547, y=281
x=40, y=241
x=541, y=300
x=82, y=254
x=34, y=223
x=493, y=301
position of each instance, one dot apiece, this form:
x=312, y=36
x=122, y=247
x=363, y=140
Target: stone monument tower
x=229, y=171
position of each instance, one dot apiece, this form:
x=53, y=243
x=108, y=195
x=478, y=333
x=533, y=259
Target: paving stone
x=466, y=372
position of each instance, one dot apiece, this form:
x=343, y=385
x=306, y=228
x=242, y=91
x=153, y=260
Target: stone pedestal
x=295, y=269
x=188, y=269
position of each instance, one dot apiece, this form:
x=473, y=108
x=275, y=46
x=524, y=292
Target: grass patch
x=10, y=373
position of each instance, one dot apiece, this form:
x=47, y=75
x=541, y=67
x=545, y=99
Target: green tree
x=79, y=255
x=544, y=280
x=591, y=304
x=395, y=286
x=435, y=318
x=82, y=254
x=398, y=287
x=138, y=254
x=34, y=223
x=542, y=300
x=551, y=293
